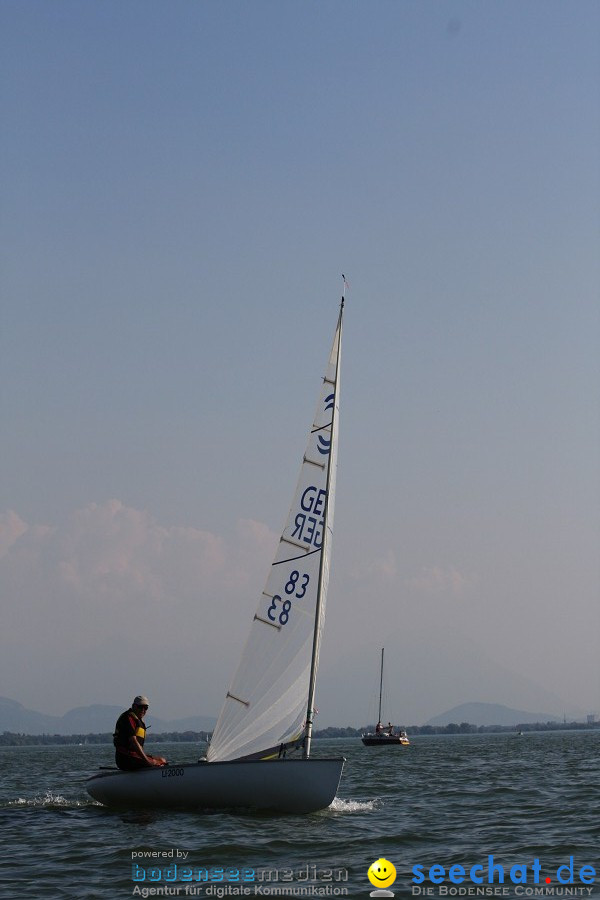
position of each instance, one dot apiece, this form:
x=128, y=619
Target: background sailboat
x=268, y=710
x=384, y=735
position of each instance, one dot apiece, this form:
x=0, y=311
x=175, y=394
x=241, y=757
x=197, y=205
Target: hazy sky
x=182, y=185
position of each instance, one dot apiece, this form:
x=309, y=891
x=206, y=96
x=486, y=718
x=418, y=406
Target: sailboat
x=384, y=736
x=268, y=711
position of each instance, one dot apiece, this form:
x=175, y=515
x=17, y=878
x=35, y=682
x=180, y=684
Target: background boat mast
x=380, y=686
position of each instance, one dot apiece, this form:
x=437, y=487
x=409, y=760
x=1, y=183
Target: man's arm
x=150, y=760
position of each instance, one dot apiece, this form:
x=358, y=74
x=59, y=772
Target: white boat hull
x=282, y=785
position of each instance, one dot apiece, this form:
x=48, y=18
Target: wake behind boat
x=269, y=708
x=384, y=736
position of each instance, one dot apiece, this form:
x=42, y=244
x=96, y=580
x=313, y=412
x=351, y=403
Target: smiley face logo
x=381, y=873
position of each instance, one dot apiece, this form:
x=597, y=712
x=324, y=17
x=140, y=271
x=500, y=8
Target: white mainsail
x=267, y=705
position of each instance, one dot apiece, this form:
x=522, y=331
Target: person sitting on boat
x=379, y=728
x=129, y=736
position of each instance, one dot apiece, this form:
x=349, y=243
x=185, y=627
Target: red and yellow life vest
x=128, y=725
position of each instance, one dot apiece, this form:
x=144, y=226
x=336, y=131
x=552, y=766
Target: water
x=444, y=800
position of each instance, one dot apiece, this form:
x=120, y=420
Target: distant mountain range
x=98, y=719
x=489, y=714
x=93, y=719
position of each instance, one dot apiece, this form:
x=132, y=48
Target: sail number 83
x=279, y=610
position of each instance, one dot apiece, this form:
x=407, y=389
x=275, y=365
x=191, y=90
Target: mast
x=380, y=686
x=316, y=633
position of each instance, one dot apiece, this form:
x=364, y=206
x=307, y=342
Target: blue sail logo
x=324, y=444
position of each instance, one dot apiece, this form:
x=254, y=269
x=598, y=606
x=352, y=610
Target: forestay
x=266, y=706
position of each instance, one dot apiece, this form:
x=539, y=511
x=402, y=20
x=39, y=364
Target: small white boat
x=281, y=785
x=384, y=736
x=269, y=708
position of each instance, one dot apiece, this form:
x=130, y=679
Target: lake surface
x=444, y=801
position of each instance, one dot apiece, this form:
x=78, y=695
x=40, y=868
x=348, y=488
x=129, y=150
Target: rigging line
x=322, y=427
x=279, y=562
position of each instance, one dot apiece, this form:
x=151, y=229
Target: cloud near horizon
x=112, y=577
x=383, y=568
x=113, y=551
x=437, y=581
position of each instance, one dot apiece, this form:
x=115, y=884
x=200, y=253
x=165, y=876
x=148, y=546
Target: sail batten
x=314, y=462
x=270, y=624
x=278, y=666
x=239, y=699
x=297, y=544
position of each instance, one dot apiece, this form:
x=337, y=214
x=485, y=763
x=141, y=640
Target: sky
x=182, y=186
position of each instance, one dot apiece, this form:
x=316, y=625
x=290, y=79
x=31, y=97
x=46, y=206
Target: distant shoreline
x=19, y=739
